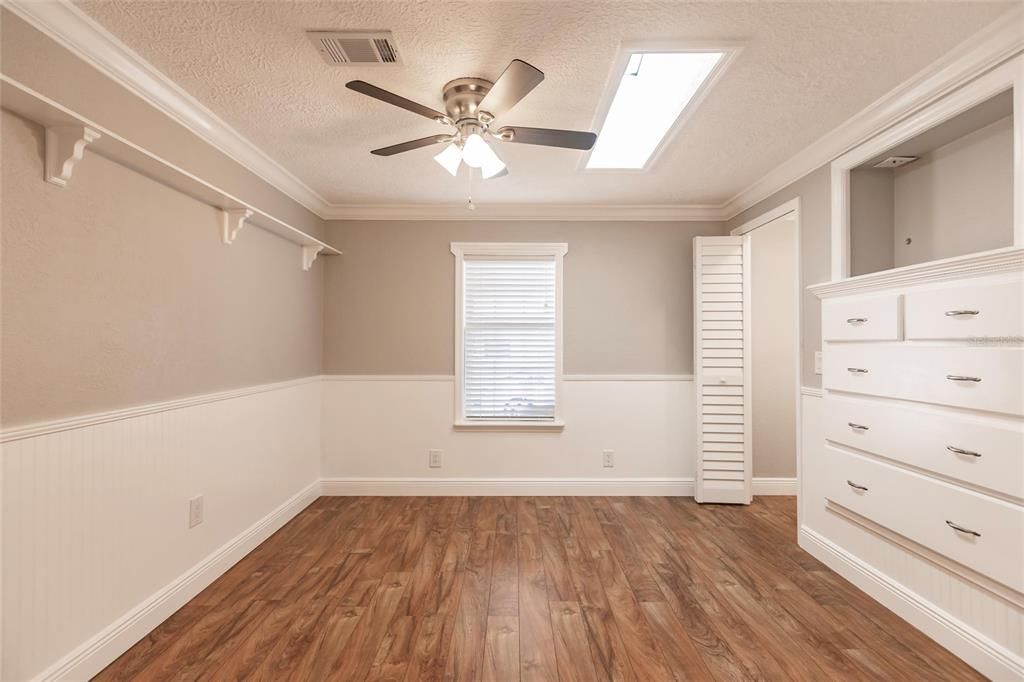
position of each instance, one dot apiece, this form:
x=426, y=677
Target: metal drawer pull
x=856, y=370
x=859, y=427
x=856, y=320
x=959, y=313
x=957, y=377
x=858, y=487
x=963, y=530
x=960, y=451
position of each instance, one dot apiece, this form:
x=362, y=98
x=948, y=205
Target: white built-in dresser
x=922, y=419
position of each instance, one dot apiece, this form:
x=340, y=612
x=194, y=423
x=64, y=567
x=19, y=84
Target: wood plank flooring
x=535, y=588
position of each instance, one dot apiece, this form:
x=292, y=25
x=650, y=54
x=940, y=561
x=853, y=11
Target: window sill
x=509, y=425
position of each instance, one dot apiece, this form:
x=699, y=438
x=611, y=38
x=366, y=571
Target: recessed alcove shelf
x=69, y=135
x=945, y=181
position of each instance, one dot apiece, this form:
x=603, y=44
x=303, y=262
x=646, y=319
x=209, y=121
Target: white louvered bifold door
x=721, y=348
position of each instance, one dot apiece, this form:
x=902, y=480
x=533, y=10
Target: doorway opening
x=774, y=247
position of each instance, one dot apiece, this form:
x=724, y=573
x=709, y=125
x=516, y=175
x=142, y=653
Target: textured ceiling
x=805, y=68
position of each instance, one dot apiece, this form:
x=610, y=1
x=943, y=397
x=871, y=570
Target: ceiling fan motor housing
x=462, y=98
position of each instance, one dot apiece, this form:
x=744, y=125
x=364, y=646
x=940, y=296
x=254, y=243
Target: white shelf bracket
x=65, y=146
x=232, y=220
x=309, y=254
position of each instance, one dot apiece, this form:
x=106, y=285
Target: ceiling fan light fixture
x=475, y=152
x=492, y=166
x=450, y=158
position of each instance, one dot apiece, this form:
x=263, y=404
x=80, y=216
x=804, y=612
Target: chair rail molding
x=43, y=428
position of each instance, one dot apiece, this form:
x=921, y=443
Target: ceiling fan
x=472, y=105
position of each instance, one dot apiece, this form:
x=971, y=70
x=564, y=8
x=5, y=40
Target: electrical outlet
x=608, y=458
x=817, y=362
x=195, y=511
x=434, y=458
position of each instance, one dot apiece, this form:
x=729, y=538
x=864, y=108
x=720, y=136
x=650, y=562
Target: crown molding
x=984, y=50
x=533, y=212
x=80, y=34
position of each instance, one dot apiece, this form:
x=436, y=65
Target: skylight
x=654, y=89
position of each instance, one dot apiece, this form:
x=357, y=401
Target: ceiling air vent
x=355, y=47
x=895, y=161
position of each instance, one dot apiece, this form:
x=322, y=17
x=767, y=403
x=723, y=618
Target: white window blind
x=510, y=337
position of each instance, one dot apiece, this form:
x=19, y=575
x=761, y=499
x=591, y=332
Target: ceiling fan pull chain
x=469, y=189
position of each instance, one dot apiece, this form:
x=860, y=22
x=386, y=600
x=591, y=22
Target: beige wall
x=774, y=312
x=957, y=199
x=815, y=206
x=389, y=304
x=117, y=291
x=33, y=59
x=871, y=220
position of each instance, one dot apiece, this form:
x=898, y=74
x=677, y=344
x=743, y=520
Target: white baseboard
x=102, y=649
x=773, y=486
x=985, y=655
x=676, y=487
x=673, y=487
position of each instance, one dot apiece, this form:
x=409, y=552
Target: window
x=654, y=90
x=508, y=334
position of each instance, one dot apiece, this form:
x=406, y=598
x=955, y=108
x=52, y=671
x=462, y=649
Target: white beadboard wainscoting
x=984, y=626
x=378, y=431
x=97, y=545
x=377, y=434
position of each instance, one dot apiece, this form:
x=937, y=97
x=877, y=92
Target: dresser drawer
x=943, y=375
x=986, y=308
x=926, y=510
x=984, y=453
x=872, y=318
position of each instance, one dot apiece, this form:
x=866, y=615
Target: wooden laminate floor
x=535, y=588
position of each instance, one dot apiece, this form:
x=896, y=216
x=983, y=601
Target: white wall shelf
x=69, y=135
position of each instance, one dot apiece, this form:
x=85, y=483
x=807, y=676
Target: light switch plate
x=817, y=362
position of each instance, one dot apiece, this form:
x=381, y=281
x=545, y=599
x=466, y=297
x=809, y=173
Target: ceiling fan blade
x=548, y=137
x=397, y=100
x=411, y=144
x=514, y=83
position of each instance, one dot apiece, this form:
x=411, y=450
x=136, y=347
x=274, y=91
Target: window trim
x=461, y=251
